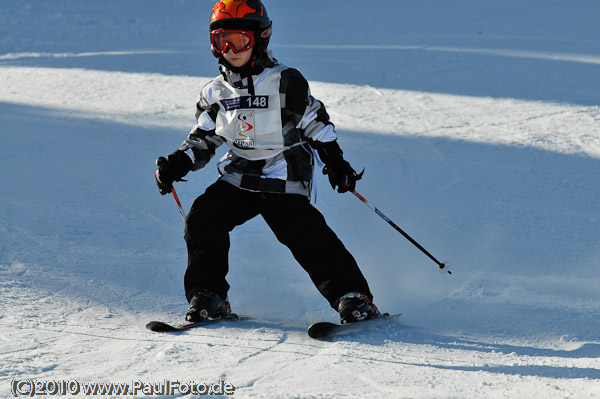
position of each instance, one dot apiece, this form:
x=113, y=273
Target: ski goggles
x=237, y=40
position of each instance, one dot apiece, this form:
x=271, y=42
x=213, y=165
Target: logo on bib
x=245, y=137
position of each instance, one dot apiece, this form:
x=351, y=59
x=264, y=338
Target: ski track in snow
x=262, y=358
x=485, y=147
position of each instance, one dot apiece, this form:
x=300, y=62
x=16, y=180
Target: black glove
x=171, y=169
x=339, y=171
x=342, y=175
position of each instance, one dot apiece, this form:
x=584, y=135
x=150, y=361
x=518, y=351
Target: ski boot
x=207, y=305
x=355, y=306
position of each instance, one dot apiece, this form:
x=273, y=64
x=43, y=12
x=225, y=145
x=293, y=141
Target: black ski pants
x=296, y=224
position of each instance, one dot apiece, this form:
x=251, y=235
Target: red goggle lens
x=236, y=40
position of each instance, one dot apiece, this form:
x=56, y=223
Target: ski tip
x=159, y=326
x=320, y=329
x=325, y=330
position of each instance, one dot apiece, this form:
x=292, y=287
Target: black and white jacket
x=271, y=133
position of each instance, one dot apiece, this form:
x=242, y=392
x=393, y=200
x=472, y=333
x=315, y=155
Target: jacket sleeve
x=305, y=112
x=308, y=115
x=202, y=141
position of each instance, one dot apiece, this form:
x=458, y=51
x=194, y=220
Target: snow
x=477, y=123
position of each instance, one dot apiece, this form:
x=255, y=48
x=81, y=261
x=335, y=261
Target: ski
x=325, y=329
x=159, y=326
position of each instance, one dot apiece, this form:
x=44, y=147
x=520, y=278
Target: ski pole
x=178, y=203
x=442, y=266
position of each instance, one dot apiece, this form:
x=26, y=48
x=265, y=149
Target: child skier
x=265, y=113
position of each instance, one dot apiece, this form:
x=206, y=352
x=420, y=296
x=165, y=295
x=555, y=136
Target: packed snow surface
x=477, y=123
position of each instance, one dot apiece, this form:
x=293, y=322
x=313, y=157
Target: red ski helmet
x=244, y=15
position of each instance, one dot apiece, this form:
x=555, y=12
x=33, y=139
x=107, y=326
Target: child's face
x=239, y=59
